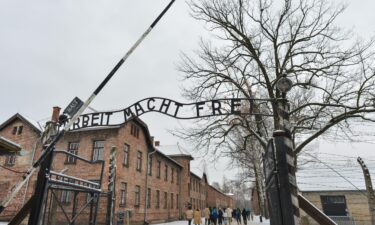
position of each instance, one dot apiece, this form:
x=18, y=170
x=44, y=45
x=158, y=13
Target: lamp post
x=278, y=163
x=286, y=169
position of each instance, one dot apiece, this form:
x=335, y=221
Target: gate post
x=281, y=176
x=286, y=173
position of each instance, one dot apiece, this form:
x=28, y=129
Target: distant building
x=344, y=207
x=164, y=178
x=344, y=202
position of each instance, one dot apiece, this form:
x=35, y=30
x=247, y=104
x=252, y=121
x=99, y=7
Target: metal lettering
x=198, y=106
x=179, y=110
x=148, y=104
x=178, y=105
x=235, y=102
x=138, y=108
x=85, y=120
x=108, y=115
x=94, y=117
x=76, y=124
x=216, y=108
x=163, y=104
x=128, y=114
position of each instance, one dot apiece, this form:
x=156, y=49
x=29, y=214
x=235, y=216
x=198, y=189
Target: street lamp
x=284, y=84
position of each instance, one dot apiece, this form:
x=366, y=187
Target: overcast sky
x=52, y=51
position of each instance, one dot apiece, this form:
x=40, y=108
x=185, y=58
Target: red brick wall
x=216, y=198
x=185, y=180
x=27, y=139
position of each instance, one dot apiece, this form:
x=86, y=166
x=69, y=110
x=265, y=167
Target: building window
x=178, y=177
x=177, y=201
x=126, y=155
x=73, y=149
x=134, y=130
x=98, y=150
x=14, y=131
x=137, y=195
x=10, y=159
x=139, y=161
x=157, y=199
x=149, y=167
x=124, y=187
x=158, y=169
x=166, y=172
x=17, y=130
x=172, y=175
x=334, y=205
x=65, y=197
x=172, y=200
x=165, y=200
x=148, y=198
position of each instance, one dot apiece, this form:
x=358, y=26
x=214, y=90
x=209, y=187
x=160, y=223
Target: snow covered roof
x=9, y=145
x=33, y=124
x=197, y=166
x=173, y=150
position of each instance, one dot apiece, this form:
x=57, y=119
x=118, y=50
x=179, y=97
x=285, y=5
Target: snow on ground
x=3, y=223
x=255, y=222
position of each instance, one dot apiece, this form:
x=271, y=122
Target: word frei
x=233, y=106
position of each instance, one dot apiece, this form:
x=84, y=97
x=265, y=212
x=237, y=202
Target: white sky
x=52, y=51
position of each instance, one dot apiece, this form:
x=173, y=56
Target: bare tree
x=256, y=43
x=259, y=42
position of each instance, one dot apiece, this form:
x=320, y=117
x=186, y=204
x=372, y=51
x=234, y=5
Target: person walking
x=225, y=216
x=197, y=217
x=206, y=213
x=215, y=215
x=233, y=214
x=189, y=215
x=248, y=212
x=220, y=216
x=244, y=216
x=238, y=216
x=229, y=215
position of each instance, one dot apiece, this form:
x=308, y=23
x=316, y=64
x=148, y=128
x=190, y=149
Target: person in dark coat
x=234, y=214
x=238, y=216
x=220, y=216
x=215, y=215
x=244, y=216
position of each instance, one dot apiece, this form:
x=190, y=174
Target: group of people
x=218, y=216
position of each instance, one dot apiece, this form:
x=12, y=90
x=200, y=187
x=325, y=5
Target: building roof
x=9, y=145
x=197, y=166
x=167, y=157
x=33, y=124
x=174, y=150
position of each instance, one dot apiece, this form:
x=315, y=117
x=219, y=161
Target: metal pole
x=285, y=158
x=369, y=189
x=147, y=175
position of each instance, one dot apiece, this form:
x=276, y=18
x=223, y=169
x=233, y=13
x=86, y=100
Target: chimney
x=157, y=143
x=55, y=114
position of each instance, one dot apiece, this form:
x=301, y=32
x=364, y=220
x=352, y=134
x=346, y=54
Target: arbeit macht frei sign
x=231, y=106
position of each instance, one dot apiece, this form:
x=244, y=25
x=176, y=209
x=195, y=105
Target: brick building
x=18, y=148
x=153, y=185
